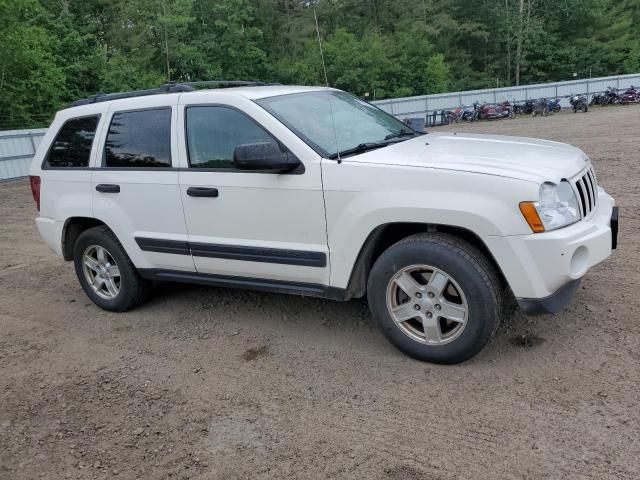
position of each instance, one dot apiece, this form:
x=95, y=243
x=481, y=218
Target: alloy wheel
x=427, y=304
x=101, y=272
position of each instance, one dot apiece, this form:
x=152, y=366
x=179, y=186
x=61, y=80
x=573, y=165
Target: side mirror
x=264, y=157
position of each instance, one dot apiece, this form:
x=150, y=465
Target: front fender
x=361, y=197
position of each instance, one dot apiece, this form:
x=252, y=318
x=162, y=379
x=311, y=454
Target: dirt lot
x=225, y=384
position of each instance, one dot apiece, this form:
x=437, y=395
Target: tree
x=437, y=74
x=31, y=79
x=55, y=51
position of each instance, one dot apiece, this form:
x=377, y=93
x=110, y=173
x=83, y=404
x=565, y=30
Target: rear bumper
x=543, y=269
x=51, y=232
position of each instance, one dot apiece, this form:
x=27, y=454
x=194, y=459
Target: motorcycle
x=452, y=116
x=631, y=95
x=490, y=111
x=578, y=102
x=554, y=105
x=507, y=107
x=598, y=99
x=611, y=96
x=518, y=108
x=525, y=108
x=469, y=113
x=540, y=107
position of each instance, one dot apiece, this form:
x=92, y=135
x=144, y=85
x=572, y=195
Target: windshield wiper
x=401, y=133
x=363, y=147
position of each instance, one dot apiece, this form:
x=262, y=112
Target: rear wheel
x=106, y=273
x=435, y=297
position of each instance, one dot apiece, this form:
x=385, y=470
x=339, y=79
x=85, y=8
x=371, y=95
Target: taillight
x=34, y=181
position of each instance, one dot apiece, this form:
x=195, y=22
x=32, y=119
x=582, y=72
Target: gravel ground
x=222, y=384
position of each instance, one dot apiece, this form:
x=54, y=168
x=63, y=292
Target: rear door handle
x=202, y=192
x=106, y=188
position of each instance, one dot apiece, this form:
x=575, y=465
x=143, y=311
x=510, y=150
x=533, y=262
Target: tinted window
x=72, y=145
x=214, y=132
x=139, y=139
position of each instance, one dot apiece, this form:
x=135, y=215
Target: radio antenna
x=326, y=79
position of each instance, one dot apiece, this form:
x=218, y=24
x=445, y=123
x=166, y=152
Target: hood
x=515, y=157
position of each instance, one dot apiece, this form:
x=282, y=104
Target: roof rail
x=170, y=87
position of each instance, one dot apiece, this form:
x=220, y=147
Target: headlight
x=557, y=208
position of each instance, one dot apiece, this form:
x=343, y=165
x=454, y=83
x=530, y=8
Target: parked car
x=312, y=191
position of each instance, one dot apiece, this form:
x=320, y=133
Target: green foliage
x=55, y=51
x=437, y=75
x=31, y=78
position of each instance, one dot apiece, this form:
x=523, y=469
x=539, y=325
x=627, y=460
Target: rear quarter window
x=72, y=146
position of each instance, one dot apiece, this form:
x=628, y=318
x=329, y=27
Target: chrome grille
x=587, y=193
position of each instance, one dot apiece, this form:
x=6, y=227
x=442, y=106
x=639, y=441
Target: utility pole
x=166, y=41
x=519, y=40
x=509, y=26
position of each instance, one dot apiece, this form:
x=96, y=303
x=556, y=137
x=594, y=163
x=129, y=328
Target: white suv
x=314, y=192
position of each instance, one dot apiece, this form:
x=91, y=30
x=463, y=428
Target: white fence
x=424, y=105
x=17, y=148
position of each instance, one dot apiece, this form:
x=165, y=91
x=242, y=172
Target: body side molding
x=234, y=252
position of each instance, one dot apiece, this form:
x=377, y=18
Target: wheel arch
x=386, y=235
x=72, y=229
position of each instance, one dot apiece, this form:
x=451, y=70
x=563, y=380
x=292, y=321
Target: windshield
x=335, y=123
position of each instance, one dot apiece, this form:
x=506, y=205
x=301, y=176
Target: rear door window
x=139, y=139
x=72, y=146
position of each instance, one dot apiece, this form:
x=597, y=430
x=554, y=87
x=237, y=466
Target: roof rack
x=170, y=87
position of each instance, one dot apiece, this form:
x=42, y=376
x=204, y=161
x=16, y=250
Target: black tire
x=584, y=108
x=133, y=289
x=474, y=274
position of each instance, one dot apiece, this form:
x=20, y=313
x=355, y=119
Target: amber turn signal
x=530, y=214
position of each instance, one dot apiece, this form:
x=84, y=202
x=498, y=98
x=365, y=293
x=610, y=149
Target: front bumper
x=544, y=269
x=554, y=303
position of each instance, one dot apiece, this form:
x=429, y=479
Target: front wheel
x=105, y=271
x=435, y=297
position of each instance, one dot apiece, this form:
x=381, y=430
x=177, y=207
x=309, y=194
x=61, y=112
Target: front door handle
x=202, y=192
x=106, y=188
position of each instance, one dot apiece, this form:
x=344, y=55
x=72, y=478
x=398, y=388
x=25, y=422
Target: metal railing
x=425, y=105
x=17, y=148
